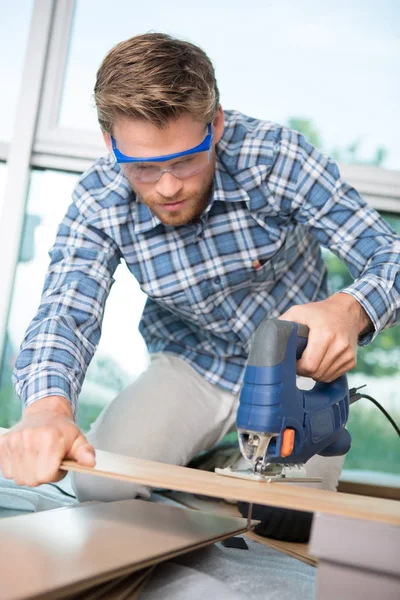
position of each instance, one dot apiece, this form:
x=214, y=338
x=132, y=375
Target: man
x=220, y=218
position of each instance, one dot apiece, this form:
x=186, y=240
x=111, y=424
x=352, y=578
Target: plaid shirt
x=254, y=253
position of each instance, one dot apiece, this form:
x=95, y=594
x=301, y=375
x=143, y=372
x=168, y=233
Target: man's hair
x=157, y=78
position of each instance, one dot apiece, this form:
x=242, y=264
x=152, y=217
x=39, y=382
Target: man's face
x=174, y=201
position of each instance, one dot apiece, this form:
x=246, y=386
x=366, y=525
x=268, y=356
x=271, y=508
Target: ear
x=107, y=139
x=218, y=125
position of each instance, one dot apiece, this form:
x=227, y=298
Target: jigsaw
x=280, y=427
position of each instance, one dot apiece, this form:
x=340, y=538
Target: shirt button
x=217, y=280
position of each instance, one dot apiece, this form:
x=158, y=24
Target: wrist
x=363, y=322
x=54, y=404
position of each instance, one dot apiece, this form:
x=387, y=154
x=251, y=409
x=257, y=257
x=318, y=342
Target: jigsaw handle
x=271, y=403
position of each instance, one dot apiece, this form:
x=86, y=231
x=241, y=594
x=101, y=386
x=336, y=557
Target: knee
x=102, y=489
x=328, y=468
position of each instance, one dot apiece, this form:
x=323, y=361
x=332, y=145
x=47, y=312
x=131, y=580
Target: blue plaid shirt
x=255, y=252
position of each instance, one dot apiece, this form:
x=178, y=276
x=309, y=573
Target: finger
x=5, y=461
x=82, y=452
x=50, y=455
x=338, y=353
x=340, y=365
x=29, y=452
x=341, y=370
x=317, y=346
x=15, y=452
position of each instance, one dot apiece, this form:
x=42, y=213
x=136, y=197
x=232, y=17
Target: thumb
x=82, y=452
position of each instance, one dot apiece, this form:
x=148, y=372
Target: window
x=121, y=355
x=283, y=62
x=3, y=173
x=14, y=27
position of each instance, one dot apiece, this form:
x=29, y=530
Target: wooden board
x=160, y=475
x=56, y=553
x=219, y=507
x=293, y=549
x=116, y=589
x=369, y=489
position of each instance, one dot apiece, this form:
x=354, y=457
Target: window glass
x=14, y=29
x=121, y=354
x=375, y=445
x=3, y=172
x=328, y=69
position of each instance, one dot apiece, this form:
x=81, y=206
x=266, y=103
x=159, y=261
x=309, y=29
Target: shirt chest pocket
x=264, y=269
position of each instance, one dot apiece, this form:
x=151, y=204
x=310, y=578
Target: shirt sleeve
x=61, y=339
x=309, y=187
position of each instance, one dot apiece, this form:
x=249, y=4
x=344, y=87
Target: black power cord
x=354, y=395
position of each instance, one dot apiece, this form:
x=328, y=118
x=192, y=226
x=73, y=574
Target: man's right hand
x=32, y=451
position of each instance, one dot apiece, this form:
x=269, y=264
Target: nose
x=168, y=185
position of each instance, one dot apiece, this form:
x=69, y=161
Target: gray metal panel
x=342, y=582
x=358, y=543
x=61, y=163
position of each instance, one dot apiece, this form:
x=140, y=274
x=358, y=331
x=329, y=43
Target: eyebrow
x=174, y=161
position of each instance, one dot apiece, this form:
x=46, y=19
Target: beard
x=193, y=202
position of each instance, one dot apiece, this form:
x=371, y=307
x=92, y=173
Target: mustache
x=156, y=200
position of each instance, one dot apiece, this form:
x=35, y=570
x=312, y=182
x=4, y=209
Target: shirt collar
x=145, y=219
x=243, y=186
x=226, y=188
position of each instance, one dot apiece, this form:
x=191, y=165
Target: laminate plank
x=286, y=495
x=219, y=507
x=55, y=553
x=115, y=589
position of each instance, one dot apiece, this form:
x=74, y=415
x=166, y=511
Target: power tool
x=280, y=427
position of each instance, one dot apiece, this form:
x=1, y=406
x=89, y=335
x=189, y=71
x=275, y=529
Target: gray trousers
x=169, y=414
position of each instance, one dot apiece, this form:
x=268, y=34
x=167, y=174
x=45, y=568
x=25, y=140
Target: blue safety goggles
x=203, y=147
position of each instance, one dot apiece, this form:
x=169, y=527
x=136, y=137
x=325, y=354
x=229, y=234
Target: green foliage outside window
x=375, y=444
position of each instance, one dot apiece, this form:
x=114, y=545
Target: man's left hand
x=335, y=325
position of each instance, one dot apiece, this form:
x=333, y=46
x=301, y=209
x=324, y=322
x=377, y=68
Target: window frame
x=19, y=153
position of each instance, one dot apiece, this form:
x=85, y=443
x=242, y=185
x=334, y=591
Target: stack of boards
x=65, y=552
x=99, y=550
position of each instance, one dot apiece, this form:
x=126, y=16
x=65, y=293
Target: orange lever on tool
x=287, y=442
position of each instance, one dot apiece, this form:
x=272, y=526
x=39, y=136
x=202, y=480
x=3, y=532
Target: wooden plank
x=121, y=588
x=293, y=549
x=138, y=587
x=370, y=489
x=160, y=475
x=286, y=495
x=55, y=553
x=116, y=589
x=219, y=507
